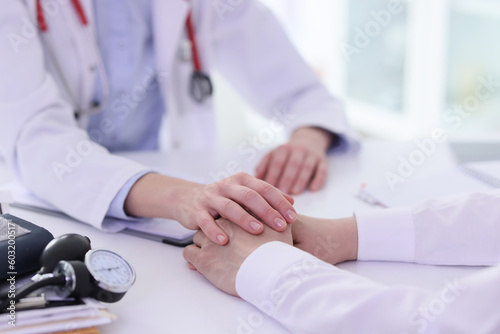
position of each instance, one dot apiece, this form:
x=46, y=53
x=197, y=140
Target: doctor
x=82, y=78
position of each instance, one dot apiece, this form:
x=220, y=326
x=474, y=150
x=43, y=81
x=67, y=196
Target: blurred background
x=402, y=68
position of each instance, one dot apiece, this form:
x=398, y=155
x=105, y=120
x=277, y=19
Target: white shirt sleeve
x=307, y=295
x=458, y=230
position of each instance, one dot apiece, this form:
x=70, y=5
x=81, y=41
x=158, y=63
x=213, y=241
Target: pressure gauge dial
x=112, y=274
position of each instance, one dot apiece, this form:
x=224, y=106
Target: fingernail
x=296, y=190
x=284, y=189
x=221, y=238
x=280, y=223
x=255, y=226
x=291, y=215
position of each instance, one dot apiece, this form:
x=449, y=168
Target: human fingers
x=229, y=197
x=191, y=255
x=274, y=197
x=220, y=264
x=291, y=169
x=200, y=239
x=307, y=170
x=277, y=161
x=261, y=169
x=274, y=201
x=245, y=243
x=234, y=212
x=259, y=207
x=260, y=173
x=207, y=224
x=320, y=175
x=289, y=198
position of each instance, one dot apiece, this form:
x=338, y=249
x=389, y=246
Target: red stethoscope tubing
x=201, y=84
x=42, y=23
x=194, y=45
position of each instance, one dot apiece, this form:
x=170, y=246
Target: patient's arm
x=330, y=240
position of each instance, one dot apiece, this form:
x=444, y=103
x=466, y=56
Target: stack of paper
x=59, y=319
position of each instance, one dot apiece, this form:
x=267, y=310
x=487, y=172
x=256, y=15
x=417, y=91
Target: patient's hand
x=220, y=264
x=331, y=240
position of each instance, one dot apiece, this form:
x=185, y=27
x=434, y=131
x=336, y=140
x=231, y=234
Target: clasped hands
x=332, y=241
x=228, y=232
x=291, y=168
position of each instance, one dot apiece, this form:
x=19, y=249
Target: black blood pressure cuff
x=21, y=244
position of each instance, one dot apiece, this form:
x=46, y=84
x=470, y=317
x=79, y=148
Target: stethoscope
x=91, y=41
x=200, y=87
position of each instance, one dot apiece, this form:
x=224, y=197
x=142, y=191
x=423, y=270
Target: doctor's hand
x=220, y=264
x=299, y=164
x=243, y=199
x=331, y=240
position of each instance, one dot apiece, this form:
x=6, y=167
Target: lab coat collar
x=168, y=16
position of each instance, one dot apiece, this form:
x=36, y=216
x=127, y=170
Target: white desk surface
x=169, y=298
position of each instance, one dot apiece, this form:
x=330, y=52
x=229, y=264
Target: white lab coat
x=52, y=155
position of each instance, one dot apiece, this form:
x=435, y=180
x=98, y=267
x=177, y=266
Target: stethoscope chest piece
x=200, y=86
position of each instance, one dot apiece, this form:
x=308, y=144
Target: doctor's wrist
x=320, y=138
x=152, y=196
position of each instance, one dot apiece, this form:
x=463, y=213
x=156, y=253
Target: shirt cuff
x=256, y=278
x=344, y=143
x=386, y=235
x=117, y=206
